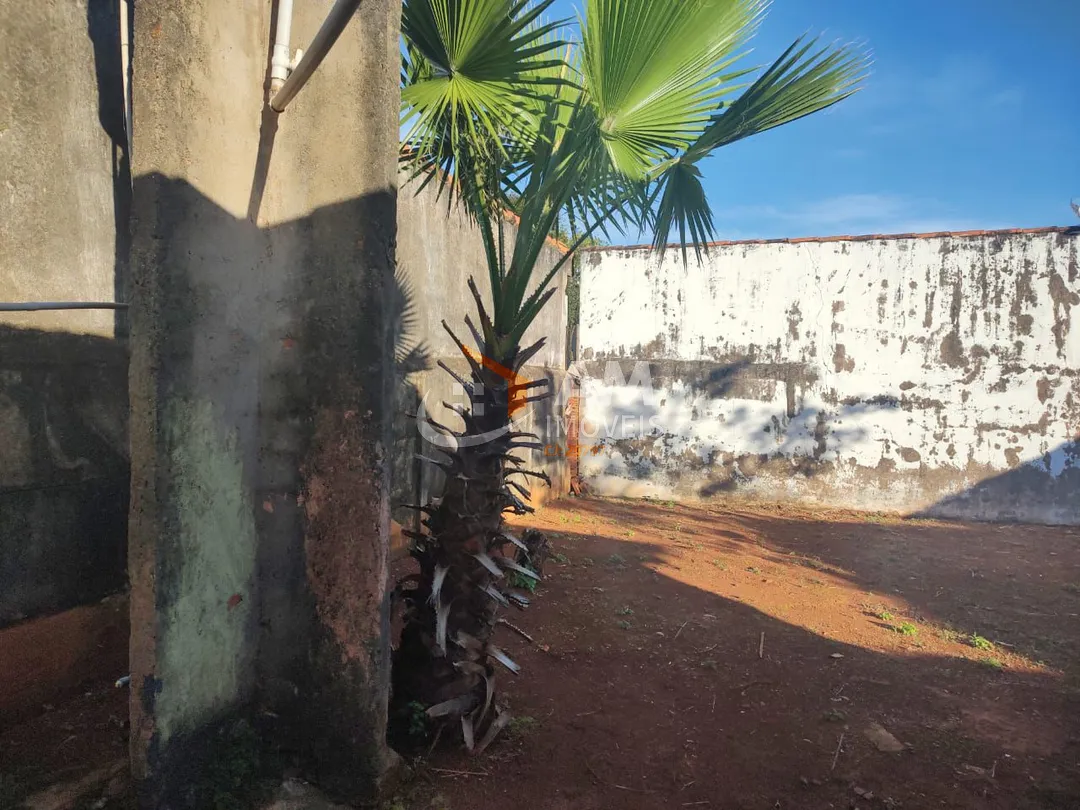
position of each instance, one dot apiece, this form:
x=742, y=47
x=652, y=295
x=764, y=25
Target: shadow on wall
x=63, y=405
x=103, y=30
x=261, y=385
x=64, y=486
x=721, y=381
x=780, y=441
x=806, y=447
x=782, y=454
x=1044, y=490
x=642, y=452
x=410, y=358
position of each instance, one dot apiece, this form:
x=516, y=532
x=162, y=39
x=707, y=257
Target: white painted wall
x=885, y=373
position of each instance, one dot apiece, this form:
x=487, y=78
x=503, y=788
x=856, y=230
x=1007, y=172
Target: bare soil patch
x=62, y=719
x=743, y=658
x=750, y=657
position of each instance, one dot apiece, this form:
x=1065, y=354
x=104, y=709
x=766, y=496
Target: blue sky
x=970, y=119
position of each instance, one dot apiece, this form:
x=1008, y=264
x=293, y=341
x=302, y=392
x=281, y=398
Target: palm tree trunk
x=445, y=663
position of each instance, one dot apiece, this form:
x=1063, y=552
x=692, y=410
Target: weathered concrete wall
x=437, y=252
x=64, y=475
x=932, y=374
x=62, y=161
x=262, y=268
x=63, y=375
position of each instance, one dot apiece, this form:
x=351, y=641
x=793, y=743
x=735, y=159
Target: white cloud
x=1009, y=97
x=851, y=214
x=848, y=209
x=959, y=92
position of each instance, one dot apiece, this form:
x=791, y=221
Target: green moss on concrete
x=208, y=639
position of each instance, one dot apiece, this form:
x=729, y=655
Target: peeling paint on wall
x=935, y=373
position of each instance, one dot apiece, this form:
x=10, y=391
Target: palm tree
x=598, y=123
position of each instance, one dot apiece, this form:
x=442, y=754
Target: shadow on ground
x=687, y=658
x=1013, y=584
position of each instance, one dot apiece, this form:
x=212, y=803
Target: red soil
x=735, y=657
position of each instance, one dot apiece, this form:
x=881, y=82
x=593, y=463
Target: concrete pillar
x=262, y=254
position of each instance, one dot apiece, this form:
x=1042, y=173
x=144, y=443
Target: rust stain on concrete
x=1064, y=300
x=343, y=545
x=841, y=361
x=952, y=351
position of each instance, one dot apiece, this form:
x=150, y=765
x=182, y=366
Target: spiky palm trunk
x=446, y=661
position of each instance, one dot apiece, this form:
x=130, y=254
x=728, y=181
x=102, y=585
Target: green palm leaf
x=794, y=86
x=655, y=70
x=473, y=71
x=607, y=134
x=801, y=82
x=684, y=206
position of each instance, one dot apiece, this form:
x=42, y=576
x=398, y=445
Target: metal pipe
x=331, y=29
x=37, y=306
x=280, y=61
x=125, y=64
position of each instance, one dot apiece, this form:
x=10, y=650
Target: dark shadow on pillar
x=262, y=380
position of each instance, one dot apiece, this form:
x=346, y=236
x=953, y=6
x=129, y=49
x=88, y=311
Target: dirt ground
x=739, y=658
x=85, y=734
x=61, y=716
x=744, y=658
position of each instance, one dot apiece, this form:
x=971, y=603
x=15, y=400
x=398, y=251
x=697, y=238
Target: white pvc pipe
x=280, y=60
x=125, y=65
x=327, y=35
